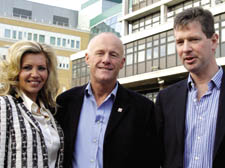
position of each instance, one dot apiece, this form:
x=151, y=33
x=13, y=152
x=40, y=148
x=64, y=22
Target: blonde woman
x=29, y=135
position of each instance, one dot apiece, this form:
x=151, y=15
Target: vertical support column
x=163, y=12
x=125, y=9
x=124, y=28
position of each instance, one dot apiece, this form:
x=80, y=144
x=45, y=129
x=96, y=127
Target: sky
x=69, y=4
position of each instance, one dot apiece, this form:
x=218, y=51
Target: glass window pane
x=149, y=44
x=52, y=40
x=156, y=42
x=14, y=34
x=171, y=48
x=204, y=2
x=41, y=38
x=170, y=38
x=72, y=43
x=129, y=59
x=135, y=57
x=142, y=22
x=223, y=35
x=141, y=56
x=149, y=53
x=156, y=52
x=162, y=40
x=29, y=36
x=155, y=18
x=216, y=25
x=129, y=50
x=141, y=46
x=170, y=14
x=148, y=20
x=223, y=23
x=136, y=25
x=35, y=37
x=58, y=41
x=163, y=50
x=20, y=35
x=77, y=44
x=64, y=42
x=7, y=33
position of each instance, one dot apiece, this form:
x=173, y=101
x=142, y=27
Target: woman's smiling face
x=33, y=74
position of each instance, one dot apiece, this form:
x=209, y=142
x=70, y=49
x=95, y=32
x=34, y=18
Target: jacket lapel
x=118, y=110
x=74, y=112
x=27, y=114
x=180, y=110
x=220, y=131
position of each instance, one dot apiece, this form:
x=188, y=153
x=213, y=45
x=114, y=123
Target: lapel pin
x=120, y=110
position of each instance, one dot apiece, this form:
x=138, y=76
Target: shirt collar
x=88, y=91
x=216, y=80
x=30, y=104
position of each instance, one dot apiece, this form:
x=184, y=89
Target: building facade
x=107, y=21
x=93, y=8
x=103, y=18
x=147, y=34
x=55, y=26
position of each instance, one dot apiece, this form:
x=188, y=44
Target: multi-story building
x=104, y=17
x=151, y=59
x=25, y=20
x=107, y=21
x=93, y=8
x=147, y=34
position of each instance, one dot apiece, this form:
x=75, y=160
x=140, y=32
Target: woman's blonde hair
x=10, y=69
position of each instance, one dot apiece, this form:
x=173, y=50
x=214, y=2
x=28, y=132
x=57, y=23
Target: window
x=141, y=56
x=129, y=59
x=83, y=71
x=64, y=42
x=20, y=35
x=149, y=54
x=41, y=38
x=63, y=62
x=149, y=44
x=22, y=13
x=170, y=38
x=14, y=34
x=72, y=43
x=156, y=19
x=141, y=46
x=52, y=40
x=223, y=35
x=156, y=52
x=59, y=20
x=7, y=33
x=204, y=2
x=171, y=48
x=163, y=50
x=35, y=37
x=78, y=44
x=29, y=36
x=58, y=41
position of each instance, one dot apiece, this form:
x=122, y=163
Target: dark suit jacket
x=170, y=111
x=129, y=137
